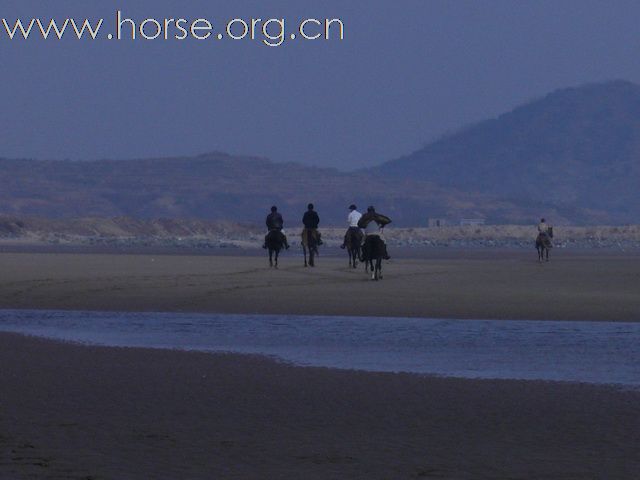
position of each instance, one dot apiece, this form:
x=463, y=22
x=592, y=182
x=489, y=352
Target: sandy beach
x=69, y=411
x=102, y=413
x=476, y=284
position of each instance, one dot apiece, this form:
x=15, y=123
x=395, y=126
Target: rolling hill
x=573, y=156
x=577, y=149
x=222, y=187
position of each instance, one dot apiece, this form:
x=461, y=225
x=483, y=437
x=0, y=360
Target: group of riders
x=365, y=229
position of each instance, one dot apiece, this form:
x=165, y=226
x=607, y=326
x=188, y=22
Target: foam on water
x=593, y=352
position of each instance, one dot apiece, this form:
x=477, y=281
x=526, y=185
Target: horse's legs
x=547, y=254
x=353, y=256
x=277, y=255
x=379, y=267
x=304, y=250
x=376, y=269
x=312, y=249
x=270, y=257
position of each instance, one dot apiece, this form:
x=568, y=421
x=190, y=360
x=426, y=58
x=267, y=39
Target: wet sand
x=481, y=285
x=103, y=413
x=69, y=411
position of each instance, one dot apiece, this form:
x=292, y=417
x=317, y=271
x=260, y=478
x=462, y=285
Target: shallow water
x=593, y=352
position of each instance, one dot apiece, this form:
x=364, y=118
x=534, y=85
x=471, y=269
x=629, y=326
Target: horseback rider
x=545, y=234
x=543, y=227
x=352, y=220
x=373, y=224
x=275, y=223
x=545, y=230
x=544, y=240
x=311, y=220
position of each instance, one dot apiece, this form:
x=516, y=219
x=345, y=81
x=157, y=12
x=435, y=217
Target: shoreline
x=77, y=411
x=283, y=362
x=278, y=361
x=205, y=313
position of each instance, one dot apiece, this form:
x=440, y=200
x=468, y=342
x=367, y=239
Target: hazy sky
x=407, y=71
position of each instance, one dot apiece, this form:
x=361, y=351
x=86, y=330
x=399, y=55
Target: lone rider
x=275, y=223
x=543, y=227
x=311, y=220
x=373, y=223
x=545, y=233
x=352, y=220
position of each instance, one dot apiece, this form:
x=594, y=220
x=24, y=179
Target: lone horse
x=353, y=242
x=275, y=243
x=310, y=245
x=544, y=244
x=372, y=255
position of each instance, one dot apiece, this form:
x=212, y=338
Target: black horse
x=275, y=243
x=544, y=244
x=372, y=254
x=353, y=242
x=310, y=245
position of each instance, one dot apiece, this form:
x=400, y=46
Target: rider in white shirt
x=543, y=226
x=354, y=217
x=545, y=233
x=352, y=220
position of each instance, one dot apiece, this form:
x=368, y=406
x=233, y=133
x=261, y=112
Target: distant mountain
x=217, y=186
x=573, y=156
x=575, y=152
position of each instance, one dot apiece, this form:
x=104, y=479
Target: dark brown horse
x=275, y=243
x=310, y=245
x=544, y=244
x=372, y=254
x=353, y=242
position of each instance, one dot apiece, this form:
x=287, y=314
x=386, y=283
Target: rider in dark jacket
x=275, y=223
x=274, y=220
x=311, y=220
